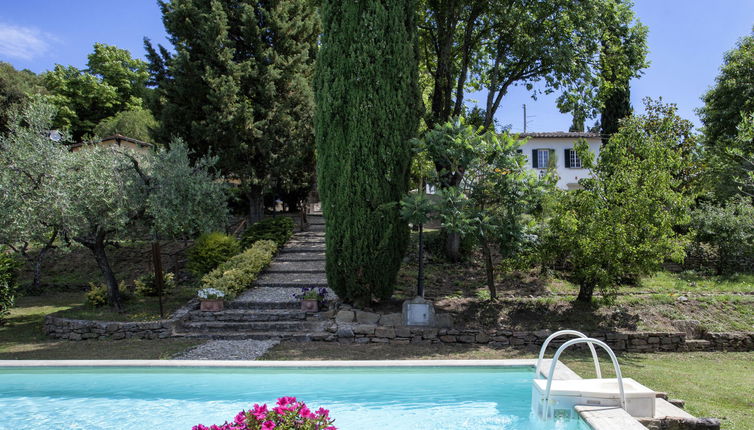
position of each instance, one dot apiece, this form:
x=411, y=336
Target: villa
x=554, y=149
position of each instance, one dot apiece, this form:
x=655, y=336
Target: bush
x=729, y=233
x=236, y=274
x=278, y=229
x=8, y=275
x=97, y=294
x=209, y=251
x=145, y=285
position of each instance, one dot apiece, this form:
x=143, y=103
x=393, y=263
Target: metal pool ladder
x=564, y=333
x=554, y=362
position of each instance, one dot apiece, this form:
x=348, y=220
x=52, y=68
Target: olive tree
x=30, y=199
x=113, y=192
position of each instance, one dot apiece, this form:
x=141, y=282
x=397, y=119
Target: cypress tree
x=240, y=85
x=368, y=106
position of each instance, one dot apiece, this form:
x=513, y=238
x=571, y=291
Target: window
x=543, y=158
x=572, y=159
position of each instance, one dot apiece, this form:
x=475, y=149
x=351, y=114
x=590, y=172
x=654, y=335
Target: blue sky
x=687, y=40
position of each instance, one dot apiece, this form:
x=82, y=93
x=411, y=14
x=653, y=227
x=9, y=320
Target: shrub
x=146, y=287
x=97, y=294
x=8, y=275
x=239, y=272
x=289, y=414
x=729, y=231
x=278, y=229
x=209, y=251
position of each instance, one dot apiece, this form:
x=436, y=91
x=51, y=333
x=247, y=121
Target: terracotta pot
x=211, y=305
x=310, y=305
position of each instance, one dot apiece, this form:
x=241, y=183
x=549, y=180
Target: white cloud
x=22, y=42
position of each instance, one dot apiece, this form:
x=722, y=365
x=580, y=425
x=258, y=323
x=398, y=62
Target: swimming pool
x=359, y=398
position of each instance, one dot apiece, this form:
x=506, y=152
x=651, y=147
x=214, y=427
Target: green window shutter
x=534, y=159
x=568, y=158
x=552, y=159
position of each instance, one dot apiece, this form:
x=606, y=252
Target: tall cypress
x=367, y=110
x=240, y=85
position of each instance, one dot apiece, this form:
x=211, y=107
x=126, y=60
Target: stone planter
x=310, y=305
x=211, y=305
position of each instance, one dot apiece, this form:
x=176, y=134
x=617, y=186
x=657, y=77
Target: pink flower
x=322, y=412
x=286, y=401
x=268, y=425
x=259, y=412
x=306, y=413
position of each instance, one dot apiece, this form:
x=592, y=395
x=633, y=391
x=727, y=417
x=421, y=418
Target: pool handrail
x=562, y=333
x=588, y=340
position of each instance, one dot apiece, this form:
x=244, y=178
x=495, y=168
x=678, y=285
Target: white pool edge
x=597, y=418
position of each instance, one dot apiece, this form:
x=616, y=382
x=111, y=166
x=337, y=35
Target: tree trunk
x=586, y=292
x=97, y=246
x=159, y=279
x=453, y=246
x=256, y=207
x=489, y=269
x=420, y=280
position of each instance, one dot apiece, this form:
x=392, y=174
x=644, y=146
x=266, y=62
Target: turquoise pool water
x=359, y=398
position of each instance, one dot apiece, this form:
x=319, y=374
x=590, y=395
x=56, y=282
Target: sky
x=687, y=41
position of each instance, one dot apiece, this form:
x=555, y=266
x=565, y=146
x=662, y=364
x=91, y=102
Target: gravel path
x=228, y=350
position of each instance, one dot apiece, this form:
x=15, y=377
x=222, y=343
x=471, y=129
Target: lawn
x=22, y=338
x=713, y=384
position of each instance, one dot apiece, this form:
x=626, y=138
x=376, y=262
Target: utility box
x=418, y=312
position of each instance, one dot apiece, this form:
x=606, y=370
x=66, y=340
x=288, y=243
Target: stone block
x=443, y=320
x=384, y=332
x=448, y=338
x=345, y=316
x=367, y=317
x=482, y=338
x=379, y=340
x=364, y=329
x=394, y=319
x=466, y=338
x=361, y=340
x=402, y=331
x=344, y=331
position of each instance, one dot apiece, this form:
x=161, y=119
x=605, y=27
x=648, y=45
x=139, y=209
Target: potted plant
x=311, y=298
x=211, y=299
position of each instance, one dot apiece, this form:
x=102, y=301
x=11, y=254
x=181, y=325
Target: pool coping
x=596, y=418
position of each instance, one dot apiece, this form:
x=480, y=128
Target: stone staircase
x=269, y=310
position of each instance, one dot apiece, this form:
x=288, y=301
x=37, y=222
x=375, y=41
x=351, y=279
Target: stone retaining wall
x=354, y=326
x=70, y=329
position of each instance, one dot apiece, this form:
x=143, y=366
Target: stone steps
x=304, y=249
x=262, y=306
x=276, y=279
x=250, y=327
x=306, y=256
x=243, y=315
x=298, y=336
x=300, y=266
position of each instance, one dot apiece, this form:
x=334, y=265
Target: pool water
x=369, y=398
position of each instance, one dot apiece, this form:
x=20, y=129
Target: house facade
x=556, y=150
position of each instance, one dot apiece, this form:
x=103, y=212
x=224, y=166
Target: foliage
x=729, y=102
x=477, y=44
x=621, y=224
x=239, y=85
x=367, y=112
x=145, y=286
x=8, y=275
x=31, y=201
x=97, y=295
x=238, y=273
x=136, y=124
x=278, y=229
x=209, y=251
x=451, y=146
x=729, y=229
x=116, y=67
x=312, y=293
x=210, y=294
x=289, y=414
x=16, y=87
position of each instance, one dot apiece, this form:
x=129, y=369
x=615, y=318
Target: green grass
x=22, y=338
x=136, y=308
x=664, y=282
x=713, y=384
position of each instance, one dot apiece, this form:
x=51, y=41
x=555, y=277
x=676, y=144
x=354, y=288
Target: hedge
x=238, y=273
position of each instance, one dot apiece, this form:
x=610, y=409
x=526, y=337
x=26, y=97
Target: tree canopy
x=239, y=84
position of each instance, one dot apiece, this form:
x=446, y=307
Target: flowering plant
x=289, y=414
x=210, y=293
x=312, y=293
